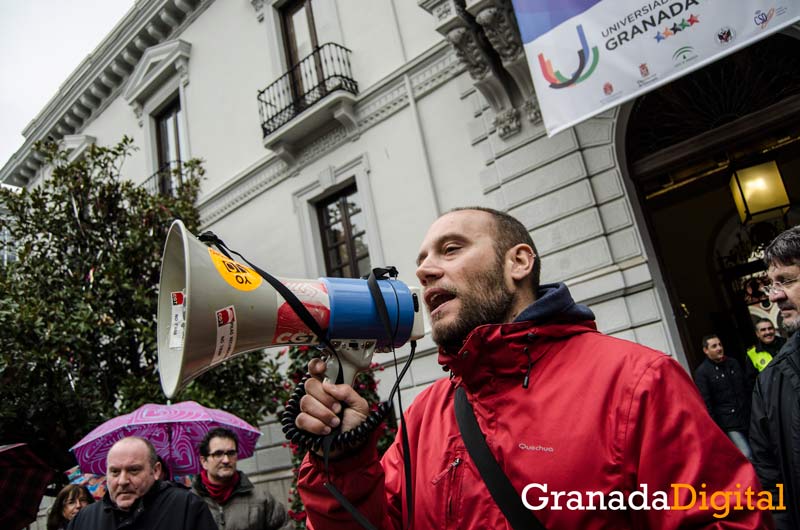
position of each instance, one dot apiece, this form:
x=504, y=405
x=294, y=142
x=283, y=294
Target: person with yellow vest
x=767, y=347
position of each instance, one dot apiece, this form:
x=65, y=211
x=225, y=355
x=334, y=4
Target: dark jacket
x=598, y=414
x=775, y=430
x=247, y=508
x=723, y=389
x=165, y=507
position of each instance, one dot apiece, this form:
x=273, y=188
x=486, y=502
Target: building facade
x=334, y=132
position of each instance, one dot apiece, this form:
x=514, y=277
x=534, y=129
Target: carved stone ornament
x=531, y=109
x=137, y=111
x=507, y=123
x=443, y=11
x=500, y=27
x=469, y=52
x=258, y=5
x=440, y=9
x=182, y=67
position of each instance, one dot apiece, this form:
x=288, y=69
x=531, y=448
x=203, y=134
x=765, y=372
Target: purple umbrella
x=174, y=430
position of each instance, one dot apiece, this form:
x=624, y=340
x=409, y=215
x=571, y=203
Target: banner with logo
x=587, y=56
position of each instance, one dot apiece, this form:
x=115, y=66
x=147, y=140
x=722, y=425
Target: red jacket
x=599, y=414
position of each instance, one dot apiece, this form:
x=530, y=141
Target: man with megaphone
x=536, y=396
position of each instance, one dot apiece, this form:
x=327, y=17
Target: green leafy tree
x=78, y=308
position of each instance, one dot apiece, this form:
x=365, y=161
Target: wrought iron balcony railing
x=325, y=70
x=165, y=180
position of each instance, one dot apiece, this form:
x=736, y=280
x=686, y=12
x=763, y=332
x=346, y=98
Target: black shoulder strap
x=503, y=493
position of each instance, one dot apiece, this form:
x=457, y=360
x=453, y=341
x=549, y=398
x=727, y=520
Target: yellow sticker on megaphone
x=237, y=275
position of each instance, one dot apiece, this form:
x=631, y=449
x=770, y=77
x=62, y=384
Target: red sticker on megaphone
x=177, y=325
x=177, y=298
x=226, y=334
x=237, y=275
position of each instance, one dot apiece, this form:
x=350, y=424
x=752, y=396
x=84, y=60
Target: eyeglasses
x=230, y=453
x=778, y=286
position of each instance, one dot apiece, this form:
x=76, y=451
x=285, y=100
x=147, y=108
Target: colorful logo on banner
x=557, y=79
x=762, y=19
x=677, y=27
x=683, y=55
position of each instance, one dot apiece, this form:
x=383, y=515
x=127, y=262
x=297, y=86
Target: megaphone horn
x=212, y=308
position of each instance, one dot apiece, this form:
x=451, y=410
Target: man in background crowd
x=234, y=501
x=721, y=383
x=775, y=416
x=766, y=348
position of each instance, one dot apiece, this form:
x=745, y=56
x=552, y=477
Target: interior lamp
x=759, y=193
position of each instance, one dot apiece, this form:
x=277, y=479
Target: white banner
x=587, y=56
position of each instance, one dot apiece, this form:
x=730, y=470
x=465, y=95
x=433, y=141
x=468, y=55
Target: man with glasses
x=234, y=501
x=775, y=416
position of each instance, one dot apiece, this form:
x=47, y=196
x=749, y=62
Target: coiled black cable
x=341, y=440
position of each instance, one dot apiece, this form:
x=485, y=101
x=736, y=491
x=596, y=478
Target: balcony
x=317, y=90
x=166, y=180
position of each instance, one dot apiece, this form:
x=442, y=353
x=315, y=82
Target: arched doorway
x=683, y=143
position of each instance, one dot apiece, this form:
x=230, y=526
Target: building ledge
x=287, y=141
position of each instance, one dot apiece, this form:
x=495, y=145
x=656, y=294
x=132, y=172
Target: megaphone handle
x=348, y=371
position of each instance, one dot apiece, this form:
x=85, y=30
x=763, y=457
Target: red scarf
x=219, y=492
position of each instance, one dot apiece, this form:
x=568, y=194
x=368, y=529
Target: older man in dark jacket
x=775, y=416
x=135, y=500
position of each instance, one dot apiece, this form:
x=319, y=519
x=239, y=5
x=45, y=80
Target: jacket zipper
x=452, y=465
x=527, y=379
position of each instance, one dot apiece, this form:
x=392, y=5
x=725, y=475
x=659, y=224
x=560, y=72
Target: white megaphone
x=212, y=308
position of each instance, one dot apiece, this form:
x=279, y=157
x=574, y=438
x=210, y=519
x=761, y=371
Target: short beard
x=792, y=325
x=488, y=301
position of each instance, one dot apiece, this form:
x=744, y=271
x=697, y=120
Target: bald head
x=131, y=467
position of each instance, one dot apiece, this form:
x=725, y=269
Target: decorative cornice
x=253, y=181
x=108, y=66
x=381, y=105
x=439, y=71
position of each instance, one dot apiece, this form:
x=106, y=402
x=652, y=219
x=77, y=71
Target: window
x=168, y=145
x=301, y=43
x=156, y=95
x=344, y=239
